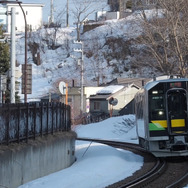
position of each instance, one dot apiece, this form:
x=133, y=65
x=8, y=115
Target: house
x=54, y=97
x=90, y=91
x=111, y=99
x=128, y=109
x=33, y=13
x=126, y=7
x=74, y=97
x=74, y=100
x=99, y=103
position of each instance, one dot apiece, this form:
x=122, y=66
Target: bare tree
x=94, y=52
x=165, y=36
x=82, y=9
x=52, y=33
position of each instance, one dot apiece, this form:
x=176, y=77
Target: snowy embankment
x=97, y=165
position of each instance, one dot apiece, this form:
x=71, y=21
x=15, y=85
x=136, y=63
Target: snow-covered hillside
x=106, y=56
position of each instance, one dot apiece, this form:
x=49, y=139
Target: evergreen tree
x=4, y=61
x=4, y=58
x=4, y=54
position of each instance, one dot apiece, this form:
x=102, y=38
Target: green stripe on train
x=155, y=127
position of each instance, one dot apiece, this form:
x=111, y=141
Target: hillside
x=108, y=53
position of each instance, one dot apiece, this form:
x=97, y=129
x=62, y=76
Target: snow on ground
x=121, y=128
x=97, y=165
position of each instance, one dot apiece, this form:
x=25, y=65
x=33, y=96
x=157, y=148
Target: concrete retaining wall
x=23, y=162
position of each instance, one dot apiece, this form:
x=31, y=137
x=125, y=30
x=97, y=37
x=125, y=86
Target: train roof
x=152, y=83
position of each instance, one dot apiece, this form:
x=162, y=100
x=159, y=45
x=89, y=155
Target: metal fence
x=28, y=120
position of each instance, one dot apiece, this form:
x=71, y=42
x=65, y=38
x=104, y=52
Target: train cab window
x=157, y=107
x=177, y=103
x=157, y=103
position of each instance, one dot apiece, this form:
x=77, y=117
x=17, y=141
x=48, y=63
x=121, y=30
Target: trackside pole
x=13, y=59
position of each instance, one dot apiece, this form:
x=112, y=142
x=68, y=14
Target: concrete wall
x=23, y=162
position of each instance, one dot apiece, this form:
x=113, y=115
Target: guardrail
x=28, y=120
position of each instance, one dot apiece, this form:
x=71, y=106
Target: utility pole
x=51, y=12
x=82, y=75
x=67, y=19
x=25, y=64
x=13, y=56
x=25, y=67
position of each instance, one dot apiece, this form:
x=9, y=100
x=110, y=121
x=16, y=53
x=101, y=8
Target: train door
x=177, y=111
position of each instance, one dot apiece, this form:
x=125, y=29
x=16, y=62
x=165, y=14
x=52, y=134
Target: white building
x=33, y=14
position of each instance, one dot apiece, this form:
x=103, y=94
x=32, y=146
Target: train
x=161, y=111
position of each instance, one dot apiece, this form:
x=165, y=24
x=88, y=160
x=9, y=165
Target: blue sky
x=60, y=6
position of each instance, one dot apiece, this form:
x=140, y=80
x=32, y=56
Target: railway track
x=155, y=172
x=174, y=176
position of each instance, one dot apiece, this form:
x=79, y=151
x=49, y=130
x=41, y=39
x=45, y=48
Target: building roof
x=117, y=89
x=99, y=96
x=110, y=89
x=140, y=82
x=53, y=96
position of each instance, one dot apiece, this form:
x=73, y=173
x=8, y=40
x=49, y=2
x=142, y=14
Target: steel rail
x=148, y=177
x=178, y=182
x=156, y=171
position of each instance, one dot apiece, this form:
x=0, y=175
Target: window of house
x=96, y=105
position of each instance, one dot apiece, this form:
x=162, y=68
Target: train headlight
x=154, y=92
x=160, y=113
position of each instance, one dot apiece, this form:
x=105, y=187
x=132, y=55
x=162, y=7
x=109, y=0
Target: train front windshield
x=157, y=103
x=168, y=108
x=177, y=103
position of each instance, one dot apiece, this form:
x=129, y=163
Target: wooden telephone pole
x=67, y=19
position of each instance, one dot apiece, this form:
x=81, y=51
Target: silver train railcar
x=161, y=109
